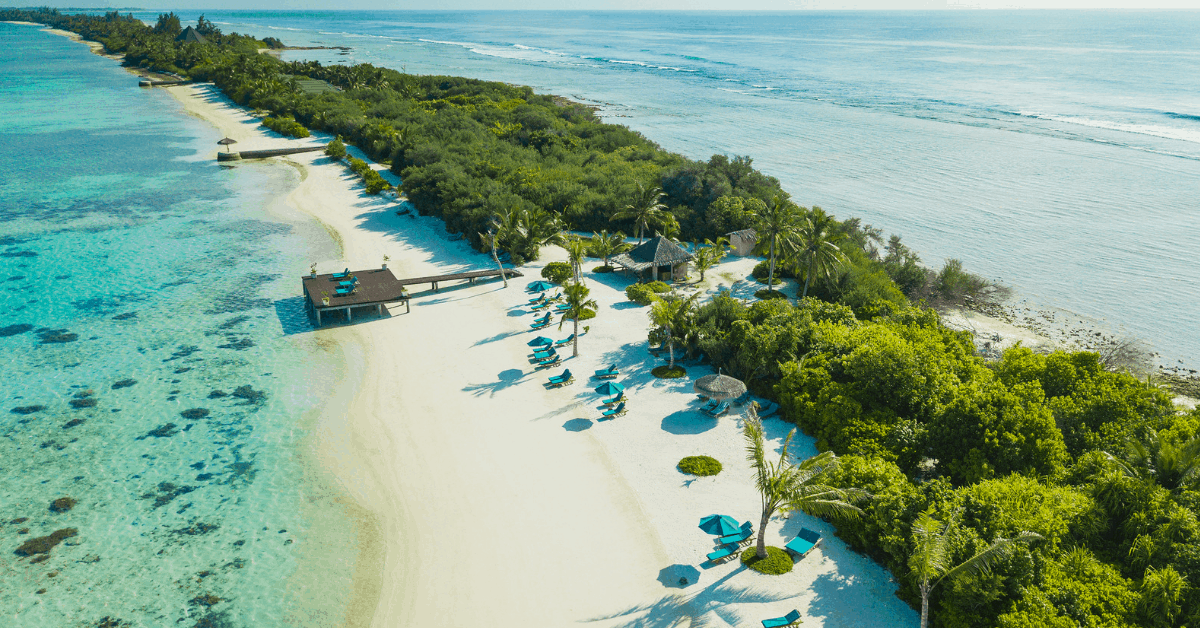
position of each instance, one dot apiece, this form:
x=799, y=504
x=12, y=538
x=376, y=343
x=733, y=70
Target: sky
x=594, y=5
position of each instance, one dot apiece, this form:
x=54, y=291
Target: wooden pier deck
x=376, y=287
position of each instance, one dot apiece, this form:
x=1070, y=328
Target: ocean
x=1055, y=151
x=158, y=366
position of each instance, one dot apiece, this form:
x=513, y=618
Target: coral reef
x=62, y=504
x=13, y=330
x=193, y=414
x=56, y=336
x=86, y=402
x=125, y=383
x=167, y=492
x=72, y=423
x=43, y=544
x=197, y=529
x=207, y=600
x=27, y=409
x=249, y=394
x=216, y=394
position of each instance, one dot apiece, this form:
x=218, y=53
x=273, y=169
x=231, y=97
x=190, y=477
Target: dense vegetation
x=1097, y=463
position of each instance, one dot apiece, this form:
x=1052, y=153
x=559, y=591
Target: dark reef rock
x=162, y=431
x=206, y=600
x=182, y=369
x=13, y=330
x=43, y=544
x=167, y=492
x=112, y=622
x=237, y=345
x=86, y=402
x=249, y=394
x=124, y=317
x=182, y=352
x=72, y=423
x=11, y=253
x=125, y=383
x=194, y=414
x=62, y=504
x=27, y=409
x=233, y=322
x=56, y=336
x=198, y=529
x=217, y=394
x=19, y=520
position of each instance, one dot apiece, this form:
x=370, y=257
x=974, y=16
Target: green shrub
x=375, y=182
x=641, y=294
x=658, y=286
x=763, y=268
x=668, y=372
x=602, y=269
x=336, y=149
x=285, y=125
x=558, y=272
x=777, y=561
x=700, y=465
x=359, y=166
x=767, y=293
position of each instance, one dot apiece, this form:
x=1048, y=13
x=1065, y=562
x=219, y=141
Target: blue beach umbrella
x=540, y=341
x=719, y=525
x=610, y=388
x=540, y=286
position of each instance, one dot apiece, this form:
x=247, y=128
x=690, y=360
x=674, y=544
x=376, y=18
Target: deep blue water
x=156, y=364
x=1056, y=151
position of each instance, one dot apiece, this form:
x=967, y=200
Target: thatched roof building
x=192, y=35
x=657, y=253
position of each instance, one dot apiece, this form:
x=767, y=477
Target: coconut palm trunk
x=771, y=272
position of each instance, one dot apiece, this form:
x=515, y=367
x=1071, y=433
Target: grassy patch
x=700, y=465
x=667, y=372
x=602, y=269
x=777, y=561
x=767, y=293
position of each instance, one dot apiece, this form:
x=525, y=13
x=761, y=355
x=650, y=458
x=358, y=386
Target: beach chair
x=562, y=307
x=540, y=305
x=737, y=537
x=538, y=355
x=557, y=296
x=615, y=400
x=710, y=406
x=611, y=371
x=550, y=361
x=345, y=290
x=541, y=322
x=723, y=554
x=565, y=341
x=565, y=378
x=540, y=297
x=720, y=409
x=341, y=275
x=617, y=411
x=791, y=619
x=804, y=542
x=353, y=281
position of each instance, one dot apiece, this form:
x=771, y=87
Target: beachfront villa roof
x=657, y=251
x=743, y=233
x=192, y=35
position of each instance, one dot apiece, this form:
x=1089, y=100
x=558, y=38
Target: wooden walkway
x=262, y=154
x=375, y=288
x=470, y=276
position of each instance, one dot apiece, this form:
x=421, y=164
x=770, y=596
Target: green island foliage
x=336, y=149
x=558, y=272
x=1098, y=463
x=641, y=294
x=767, y=293
x=286, y=125
x=700, y=465
x=602, y=269
x=374, y=182
x=658, y=287
x=777, y=562
x=668, y=372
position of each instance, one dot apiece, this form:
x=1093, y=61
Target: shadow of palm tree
x=504, y=379
x=708, y=607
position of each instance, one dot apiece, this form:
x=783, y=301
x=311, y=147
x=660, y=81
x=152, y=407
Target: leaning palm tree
x=666, y=314
x=709, y=255
x=793, y=487
x=510, y=233
x=489, y=244
x=539, y=228
x=605, y=245
x=930, y=560
x=778, y=227
x=578, y=306
x=645, y=211
x=818, y=248
x=576, y=249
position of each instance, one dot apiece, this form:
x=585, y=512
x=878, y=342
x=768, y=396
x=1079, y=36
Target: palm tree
x=793, y=487
x=666, y=314
x=539, y=228
x=777, y=227
x=709, y=255
x=605, y=245
x=1162, y=590
x=576, y=297
x=645, y=211
x=509, y=233
x=818, y=245
x=489, y=244
x=930, y=560
x=576, y=249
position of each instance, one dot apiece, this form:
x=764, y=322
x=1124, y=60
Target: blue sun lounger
x=550, y=361
x=565, y=341
x=346, y=290
x=737, y=537
x=541, y=322
x=791, y=619
x=565, y=378
x=562, y=307
x=617, y=411
x=723, y=554
x=615, y=400
x=341, y=275
x=710, y=406
x=540, y=297
x=353, y=281
x=804, y=542
x=611, y=371
x=721, y=408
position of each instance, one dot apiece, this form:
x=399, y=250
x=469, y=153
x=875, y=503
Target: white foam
x=1166, y=132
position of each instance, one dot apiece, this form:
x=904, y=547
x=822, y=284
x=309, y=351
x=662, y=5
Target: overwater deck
x=375, y=288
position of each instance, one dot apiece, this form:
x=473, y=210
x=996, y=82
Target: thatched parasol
x=719, y=387
x=226, y=143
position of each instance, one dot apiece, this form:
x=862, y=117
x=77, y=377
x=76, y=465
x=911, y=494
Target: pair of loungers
x=729, y=545
x=341, y=275
x=565, y=378
x=541, y=322
x=614, y=412
x=715, y=408
x=611, y=371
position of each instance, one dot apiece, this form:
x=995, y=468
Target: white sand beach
x=490, y=499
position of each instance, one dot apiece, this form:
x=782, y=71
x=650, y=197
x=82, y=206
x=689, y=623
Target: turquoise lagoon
x=157, y=364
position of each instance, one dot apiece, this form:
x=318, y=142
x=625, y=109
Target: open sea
x=1055, y=151
x=156, y=364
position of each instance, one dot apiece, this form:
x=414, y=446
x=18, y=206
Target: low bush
x=767, y=293
x=658, y=286
x=641, y=294
x=558, y=272
x=336, y=149
x=602, y=269
x=286, y=125
x=763, y=268
x=668, y=372
x=700, y=465
x=777, y=561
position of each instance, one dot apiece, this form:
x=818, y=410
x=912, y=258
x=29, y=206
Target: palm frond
x=999, y=550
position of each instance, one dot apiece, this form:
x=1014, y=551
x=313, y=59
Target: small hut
x=742, y=242
x=658, y=255
x=190, y=34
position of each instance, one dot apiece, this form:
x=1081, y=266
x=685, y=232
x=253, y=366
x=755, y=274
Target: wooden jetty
x=375, y=288
x=261, y=154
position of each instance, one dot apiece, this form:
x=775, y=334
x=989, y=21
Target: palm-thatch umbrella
x=719, y=387
x=226, y=143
